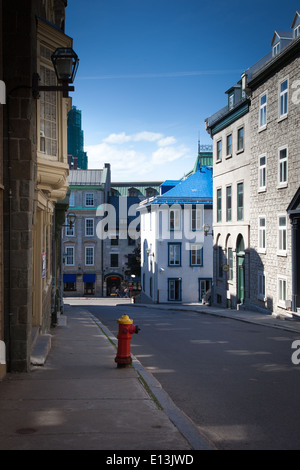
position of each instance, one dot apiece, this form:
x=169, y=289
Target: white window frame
x=90, y=228
x=88, y=198
x=262, y=234
x=229, y=144
x=262, y=173
x=276, y=49
x=283, y=99
x=241, y=139
x=297, y=32
x=263, y=112
x=70, y=232
x=70, y=255
x=283, y=162
x=177, y=219
x=86, y=248
x=261, y=285
x=196, y=218
x=282, y=290
x=219, y=151
x=282, y=236
x=197, y=254
x=72, y=199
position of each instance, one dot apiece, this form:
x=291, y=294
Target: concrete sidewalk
x=80, y=400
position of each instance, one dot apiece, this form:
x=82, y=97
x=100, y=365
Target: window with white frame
x=70, y=231
x=219, y=205
x=228, y=203
x=174, y=254
x=262, y=234
x=297, y=32
x=240, y=201
x=262, y=172
x=261, y=293
x=229, y=145
x=282, y=235
x=283, y=166
x=263, y=110
x=196, y=255
x=89, y=255
x=72, y=199
x=48, y=111
x=196, y=216
x=89, y=227
x=283, y=98
x=219, y=150
x=89, y=199
x=282, y=291
x=174, y=219
x=240, y=139
x=276, y=49
x=69, y=259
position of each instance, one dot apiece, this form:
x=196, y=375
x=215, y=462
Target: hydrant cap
x=125, y=320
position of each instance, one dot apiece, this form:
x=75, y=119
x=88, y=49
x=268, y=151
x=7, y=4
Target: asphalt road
x=236, y=381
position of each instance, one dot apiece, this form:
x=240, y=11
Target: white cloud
x=150, y=158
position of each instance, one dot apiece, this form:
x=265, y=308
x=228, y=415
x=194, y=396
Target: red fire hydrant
x=126, y=329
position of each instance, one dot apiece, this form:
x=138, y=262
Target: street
x=236, y=381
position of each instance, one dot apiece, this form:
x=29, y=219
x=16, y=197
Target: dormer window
x=276, y=49
x=297, y=32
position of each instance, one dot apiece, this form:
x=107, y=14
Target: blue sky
x=151, y=71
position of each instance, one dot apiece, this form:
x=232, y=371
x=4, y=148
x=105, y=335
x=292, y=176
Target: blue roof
x=197, y=186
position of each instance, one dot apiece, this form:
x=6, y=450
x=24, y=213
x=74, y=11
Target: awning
x=69, y=278
x=89, y=277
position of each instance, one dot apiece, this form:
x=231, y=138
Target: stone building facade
x=83, y=243
x=35, y=170
x=268, y=263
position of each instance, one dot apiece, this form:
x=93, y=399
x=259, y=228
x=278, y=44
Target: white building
x=176, y=256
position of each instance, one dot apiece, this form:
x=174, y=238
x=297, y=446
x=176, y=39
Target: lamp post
x=71, y=217
x=65, y=62
x=207, y=229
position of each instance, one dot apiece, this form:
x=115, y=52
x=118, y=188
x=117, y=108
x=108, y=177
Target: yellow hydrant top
x=125, y=320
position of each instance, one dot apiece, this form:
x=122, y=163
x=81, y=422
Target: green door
x=241, y=279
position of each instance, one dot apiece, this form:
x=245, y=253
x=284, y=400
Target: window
x=70, y=232
x=89, y=227
x=196, y=218
x=229, y=145
x=69, y=259
x=261, y=285
x=297, y=32
x=228, y=203
x=283, y=98
x=283, y=167
x=240, y=139
x=240, y=201
x=282, y=233
x=219, y=205
x=174, y=254
x=89, y=255
x=114, y=241
x=231, y=101
x=262, y=234
x=174, y=289
x=263, y=111
x=282, y=291
x=89, y=199
x=276, y=49
x=219, y=150
x=230, y=264
x=174, y=219
x=114, y=260
x=72, y=199
x=196, y=255
x=262, y=172
x=48, y=111
x=69, y=286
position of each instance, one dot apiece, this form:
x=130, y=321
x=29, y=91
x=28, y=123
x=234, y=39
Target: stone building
x=35, y=170
x=123, y=238
x=264, y=269
x=230, y=130
x=83, y=243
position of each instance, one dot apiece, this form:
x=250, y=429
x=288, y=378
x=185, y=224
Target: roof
x=196, y=189
x=86, y=177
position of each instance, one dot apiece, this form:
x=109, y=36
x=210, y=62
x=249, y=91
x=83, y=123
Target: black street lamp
x=65, y=62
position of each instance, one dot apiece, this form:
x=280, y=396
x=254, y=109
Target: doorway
x=240, y=253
